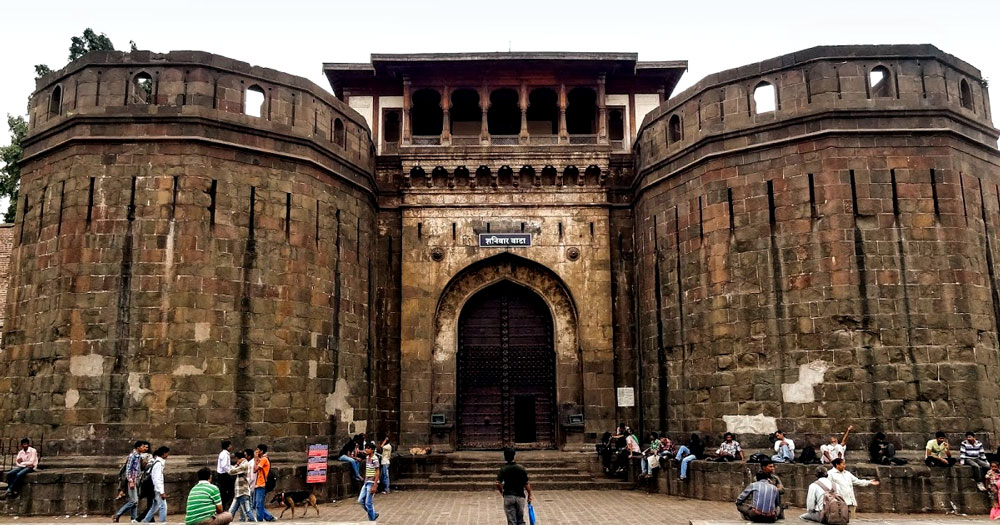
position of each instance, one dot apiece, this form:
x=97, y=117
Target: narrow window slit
x=250, y=222
x=211, y=203
x=288, y=216
x=62, y=198
x=934, y=194
x=854, y=197
x=41, y=212
x=316, y=233
x=701, y=220
x=771, y=217
x=732, y=218
x=454, y=231
x=591, y=230
x=420, y=230
x=812, y=197
x=961, y=188
x=895, y=194
x=131, y=202
x=90, y=202
x=173, y=200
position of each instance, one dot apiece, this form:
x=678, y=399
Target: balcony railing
x=583, y=139
x=426, y=140
x=509, y=140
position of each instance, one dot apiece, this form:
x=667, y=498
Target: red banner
x=317, y=463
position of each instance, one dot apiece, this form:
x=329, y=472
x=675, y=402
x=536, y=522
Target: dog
x=295, y=497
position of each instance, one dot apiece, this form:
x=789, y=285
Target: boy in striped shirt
x=973, y=455
x=204, y=504
x=372, y=471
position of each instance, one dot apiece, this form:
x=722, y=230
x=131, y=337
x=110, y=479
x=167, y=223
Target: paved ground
x=558, y=507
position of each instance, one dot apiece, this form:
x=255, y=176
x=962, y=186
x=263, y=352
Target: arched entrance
x=506, y=370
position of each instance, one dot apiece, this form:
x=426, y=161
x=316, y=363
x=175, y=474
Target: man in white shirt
x=845, y=482
x=814, y=499
x=159, y=493
x=223, y=479
x=834, y=449
x=25, y=463
x=784, y=448
x=251, y=478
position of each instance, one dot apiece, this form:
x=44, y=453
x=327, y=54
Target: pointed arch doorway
x=506, y=370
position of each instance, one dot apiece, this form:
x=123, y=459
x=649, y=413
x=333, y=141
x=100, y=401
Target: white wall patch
x=802, y=391
x=759, y=424
x=90, y=365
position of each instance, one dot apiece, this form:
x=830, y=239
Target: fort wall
x=828, y=262
x=185, y=271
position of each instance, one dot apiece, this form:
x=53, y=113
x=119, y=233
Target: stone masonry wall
x=830, y=262
x=184, y=272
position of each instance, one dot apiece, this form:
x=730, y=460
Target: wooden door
x=506, y=370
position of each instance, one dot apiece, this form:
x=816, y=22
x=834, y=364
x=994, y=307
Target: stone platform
x=913, y=488
x=87, y=485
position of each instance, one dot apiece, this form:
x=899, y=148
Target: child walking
x=372, y=472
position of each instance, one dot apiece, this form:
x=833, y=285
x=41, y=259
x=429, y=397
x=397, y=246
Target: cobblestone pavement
x=552, y=507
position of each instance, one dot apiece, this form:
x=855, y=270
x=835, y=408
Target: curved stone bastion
x=191, y=258
x=816, y=243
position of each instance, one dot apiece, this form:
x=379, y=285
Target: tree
x=81, y=45
x=10, y=156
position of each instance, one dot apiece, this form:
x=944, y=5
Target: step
x=492, y=477
x=469, y=471
x=475, y=486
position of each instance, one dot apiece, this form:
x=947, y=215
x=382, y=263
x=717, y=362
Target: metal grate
x=583, y=139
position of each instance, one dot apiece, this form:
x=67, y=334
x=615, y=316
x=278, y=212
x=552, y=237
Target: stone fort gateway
x=479, y=249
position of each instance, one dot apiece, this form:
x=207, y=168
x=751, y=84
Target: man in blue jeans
x=784, y=448
x=372, y=472
x=131, y=471
x=262, y=466
x=349, y=455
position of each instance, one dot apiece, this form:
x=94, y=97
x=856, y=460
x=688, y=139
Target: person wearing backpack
x=819, y=491
x=130, y=472
x=845, y=483
x=262, y=466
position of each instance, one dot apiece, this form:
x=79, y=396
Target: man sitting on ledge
x=784, y=448
x=25, y=463
x=759, y=501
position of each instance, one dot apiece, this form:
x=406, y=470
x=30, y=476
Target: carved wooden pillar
x=602, y=112
x=484, y=106
x=563, y=133
x=446, y=116
x=407, y=134
x=522, y=101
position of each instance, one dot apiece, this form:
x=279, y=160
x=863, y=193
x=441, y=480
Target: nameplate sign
x=504, y=240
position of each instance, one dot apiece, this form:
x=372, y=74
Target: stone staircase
x=547, y=470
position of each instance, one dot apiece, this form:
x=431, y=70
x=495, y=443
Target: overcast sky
x=297, y=36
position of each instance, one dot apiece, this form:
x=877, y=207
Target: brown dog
x=297, y=497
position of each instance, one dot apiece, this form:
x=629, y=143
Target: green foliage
x=10, y=155
x=90, y=41
x=41, y=70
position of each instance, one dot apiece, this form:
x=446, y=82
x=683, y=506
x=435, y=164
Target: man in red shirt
x=262, y=466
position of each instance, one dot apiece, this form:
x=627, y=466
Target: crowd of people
x=240, y=485
x=761, y=500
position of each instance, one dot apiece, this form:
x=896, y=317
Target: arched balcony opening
x=466, y=115
x=764, y=98
x=339, y=135
x=55, y=101
x=674, y=130
x=504, y=116
x=549, y=174
x=427, y=117
x=581, y=115
x=965, y=94
x=484, y=177
x=142, y=89
x=543, y=115
x=253, y=101
x=879, y=82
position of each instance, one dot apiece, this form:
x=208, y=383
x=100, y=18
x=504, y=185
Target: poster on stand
x=316, y=466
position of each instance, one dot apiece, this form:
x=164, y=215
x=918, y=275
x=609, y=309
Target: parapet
x=853, y=87
x=256, y=104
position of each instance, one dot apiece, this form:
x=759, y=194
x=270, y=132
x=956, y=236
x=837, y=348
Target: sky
x=297, y=36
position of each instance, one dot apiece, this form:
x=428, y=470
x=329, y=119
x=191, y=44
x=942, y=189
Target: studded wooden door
x=506, y=370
